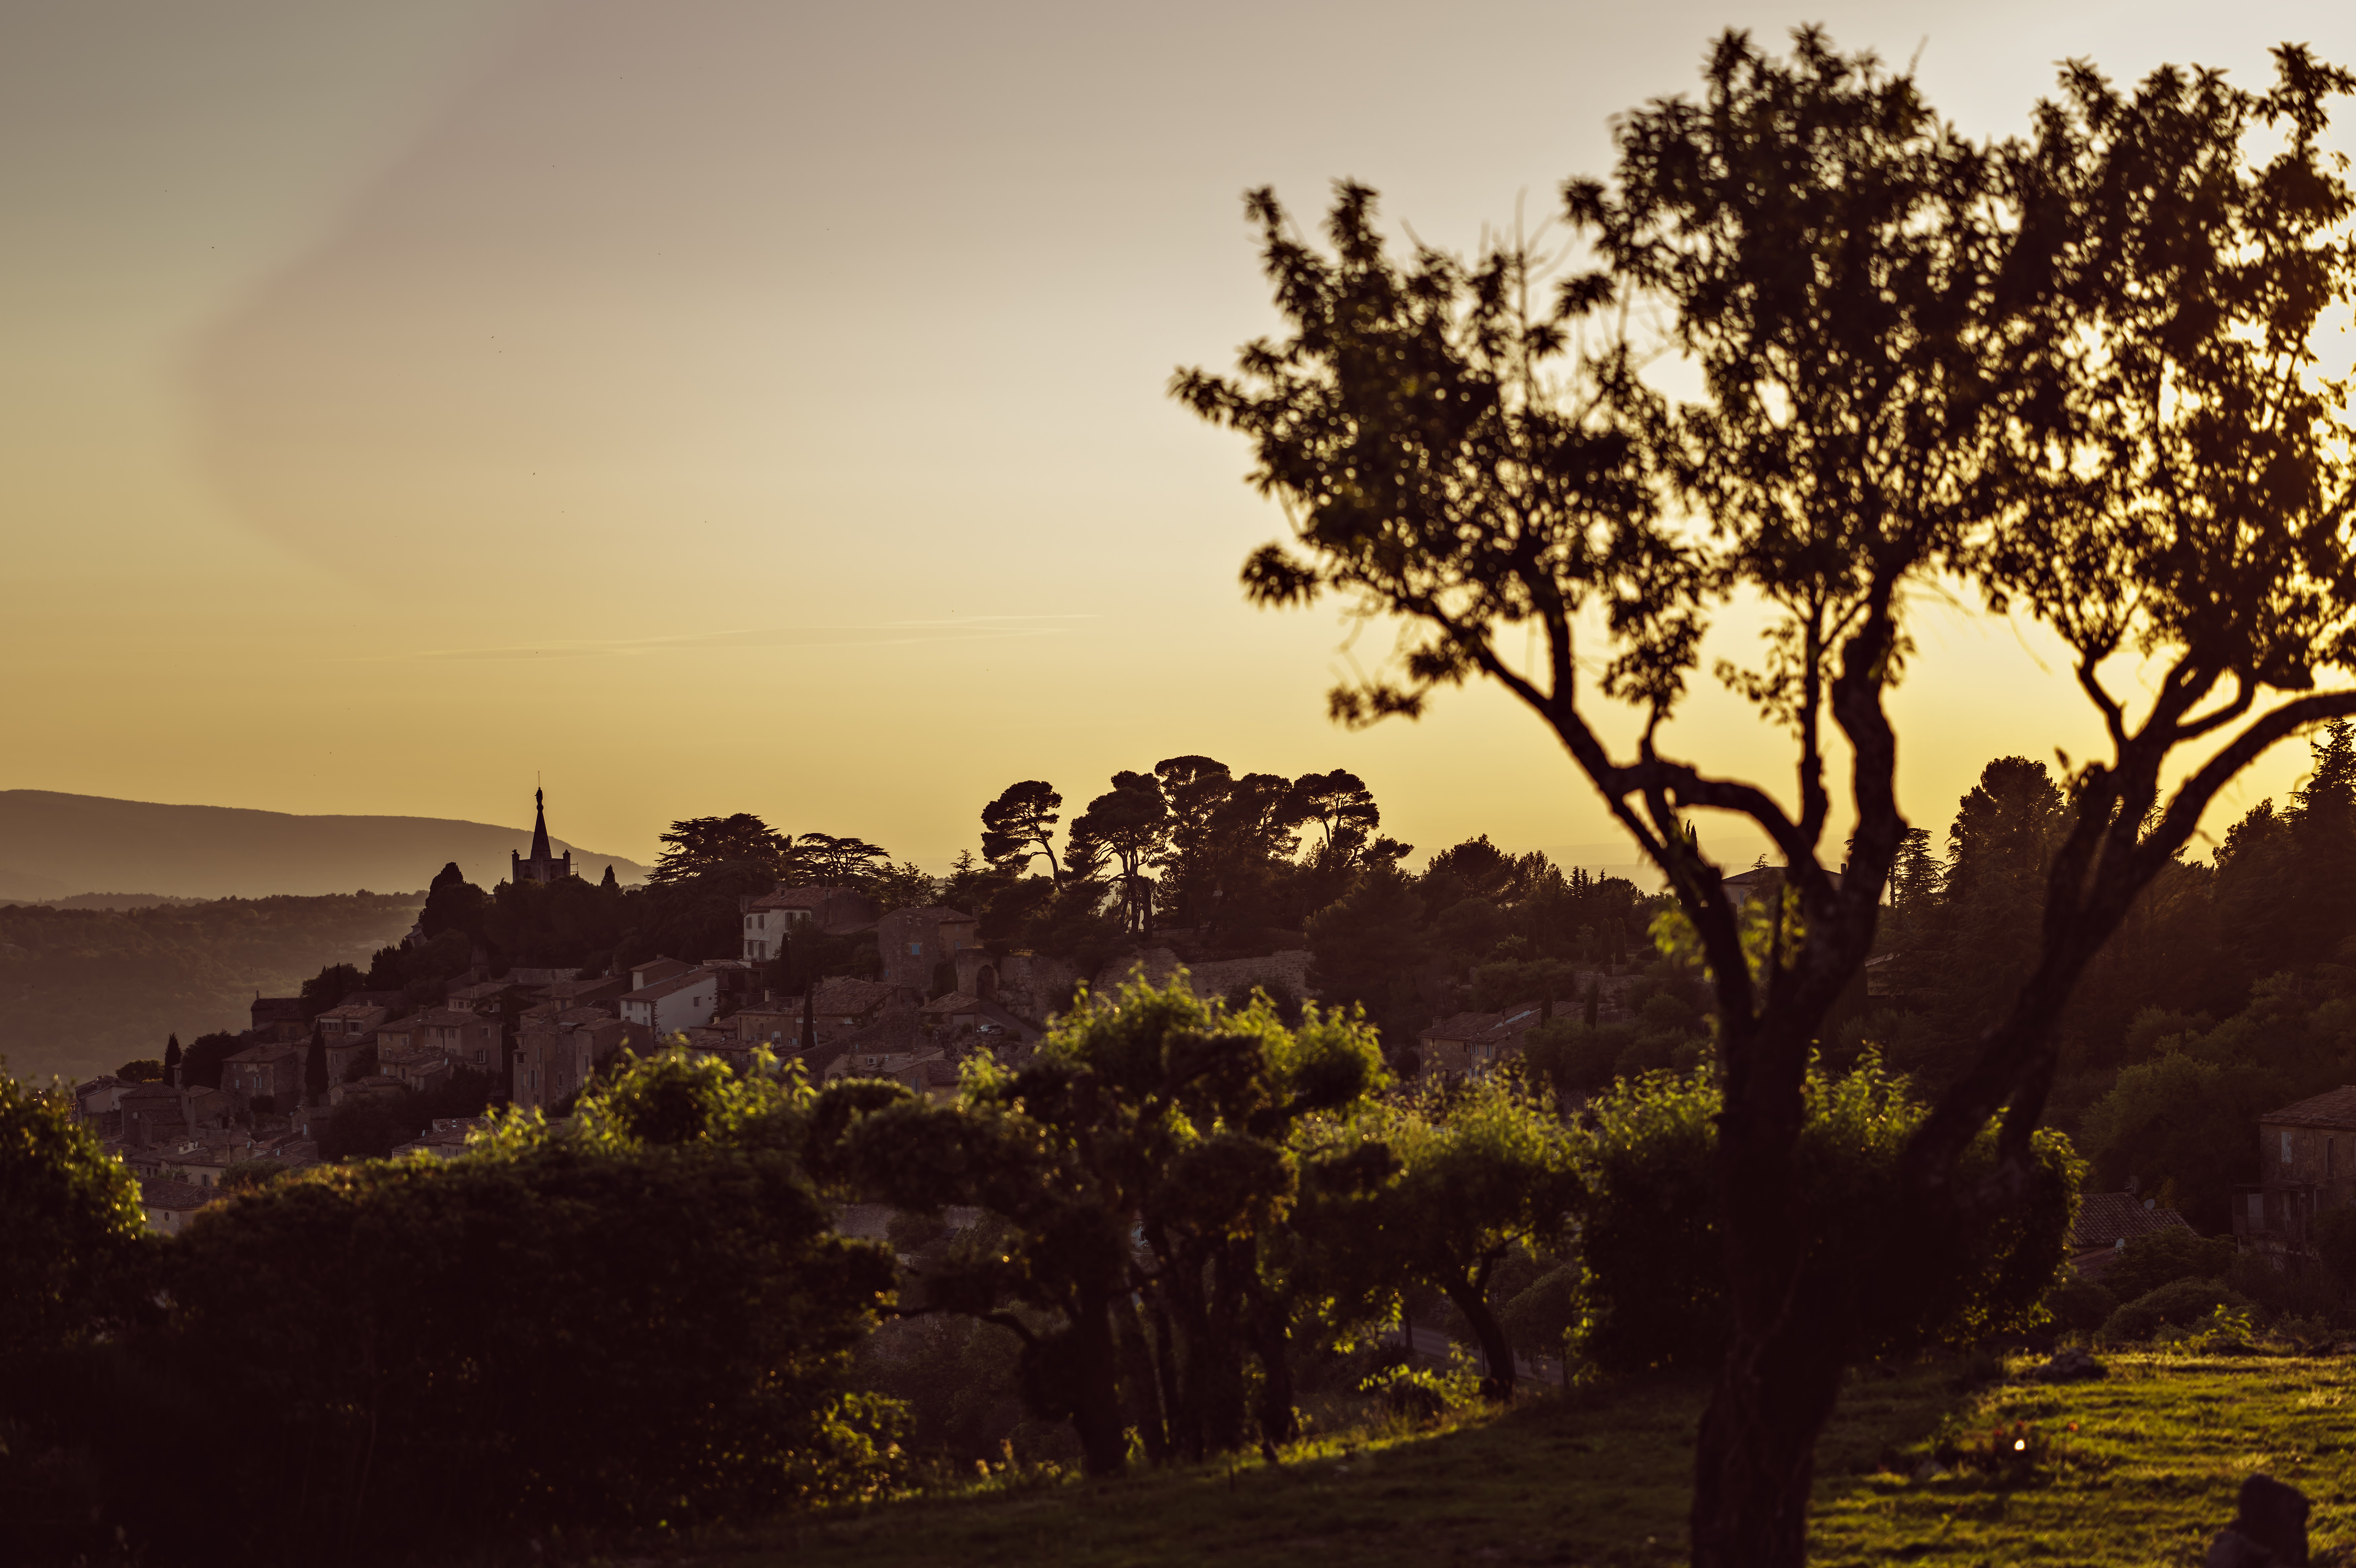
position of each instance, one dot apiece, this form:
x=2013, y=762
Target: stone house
x=169, y=1203
x=835, y=910
x=916, y=943
x=349, y=1020
x=556, y=1055
x=777, y=1025
x=570, y=993
x=488, y=997
x=2307, y=1164
x=468, y=1039
x=280, y=1018
x=204, y=1164
x=271, y=1073
x=98, y=1103
x=665, y=1007
x=655, y=970
x=375, y=1086
x=838, y=1006
x=344, y=1055
x=158, y=1113
x=417, y=1068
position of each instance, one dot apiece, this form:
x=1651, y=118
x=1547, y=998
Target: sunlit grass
x=1905, y=1473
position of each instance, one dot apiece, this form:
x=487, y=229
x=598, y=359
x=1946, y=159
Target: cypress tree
x=172, y=1060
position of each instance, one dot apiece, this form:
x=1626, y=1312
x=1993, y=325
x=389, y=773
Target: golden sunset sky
x=716, y=405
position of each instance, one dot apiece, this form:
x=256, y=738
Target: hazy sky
x=716, y=405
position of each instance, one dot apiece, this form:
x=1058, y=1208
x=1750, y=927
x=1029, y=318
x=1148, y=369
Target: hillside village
x=933, y=992
x=532, y=1037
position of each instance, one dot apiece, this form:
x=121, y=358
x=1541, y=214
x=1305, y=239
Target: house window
x=2285, y=1148
x=915, y=950
x=2257, y=1208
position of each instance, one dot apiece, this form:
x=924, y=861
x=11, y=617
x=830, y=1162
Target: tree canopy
x=2074, y=370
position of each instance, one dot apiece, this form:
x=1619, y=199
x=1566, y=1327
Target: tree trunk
x=1280, y=1423
x=1140, y=1373
x=1471, y=1300
x=1096, y=1389
x=1756, y=1458
x=1756, y=1454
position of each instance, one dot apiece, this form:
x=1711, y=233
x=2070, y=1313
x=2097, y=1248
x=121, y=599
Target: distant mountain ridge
x=53, y=845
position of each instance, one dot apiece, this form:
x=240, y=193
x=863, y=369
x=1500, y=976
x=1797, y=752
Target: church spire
x=539, y=828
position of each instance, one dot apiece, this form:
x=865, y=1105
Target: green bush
x=2163, y=1257
x=1652, y=1293
x=2180, y=1305
x=1541, y=1315
x=2078, y=1305
x=70, y=1222
x=643, y=1323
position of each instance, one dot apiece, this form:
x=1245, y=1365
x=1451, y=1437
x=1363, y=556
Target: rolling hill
x=53, y=846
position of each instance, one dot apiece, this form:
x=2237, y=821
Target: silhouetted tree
x=698, y=846
x=2074, y=369
x=1130, y=824
x=1019, y=826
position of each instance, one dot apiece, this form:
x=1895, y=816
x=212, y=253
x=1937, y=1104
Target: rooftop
x=2332, y=1108
x=164, y=1192
x=662, y=988
x=2107, y=1218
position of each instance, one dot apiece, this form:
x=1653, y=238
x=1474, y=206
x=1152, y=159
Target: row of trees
x=648, y=1317
x=2223, y=993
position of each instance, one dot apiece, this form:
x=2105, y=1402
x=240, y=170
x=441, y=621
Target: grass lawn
x=2150, y=1473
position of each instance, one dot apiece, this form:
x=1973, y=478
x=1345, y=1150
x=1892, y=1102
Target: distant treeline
x=84, y=990
x=2230, y=989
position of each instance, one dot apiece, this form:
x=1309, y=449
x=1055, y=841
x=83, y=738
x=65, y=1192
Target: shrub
x=1540, y=1317
x=2290, y=1286
x=645, y=1322
x=2179, y=1305
x=2078, y=1304
x=2163, y=1257
x=70, y=1222
x=1652, y=1293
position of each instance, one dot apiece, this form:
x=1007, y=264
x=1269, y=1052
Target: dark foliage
x=2164, y=1257
x=370, y=1128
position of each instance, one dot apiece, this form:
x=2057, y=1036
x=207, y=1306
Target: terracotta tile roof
x=163, y=1192
x=1461, y=1026
x=847, y=995
x=1517, y=1019
x=899, y=1029
x=2107, y=1218
x=2332, y=1108
x=955, y=1001
x=662, y=988
x=807, y=897
x=266, y=1053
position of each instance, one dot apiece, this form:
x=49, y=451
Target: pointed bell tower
x=542, y=866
